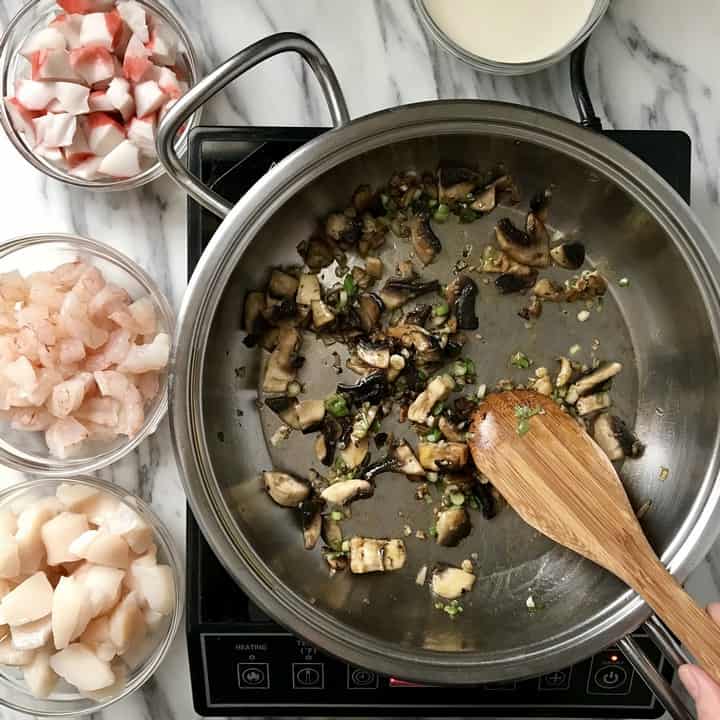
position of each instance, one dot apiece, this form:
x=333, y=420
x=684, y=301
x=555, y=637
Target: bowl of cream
x=516, y=37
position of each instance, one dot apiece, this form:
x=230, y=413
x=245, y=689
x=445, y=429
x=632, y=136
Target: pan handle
x=216, y=81
x=580, y=92
x=645, y=667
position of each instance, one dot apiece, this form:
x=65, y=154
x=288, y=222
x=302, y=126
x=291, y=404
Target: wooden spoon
x=562, y=484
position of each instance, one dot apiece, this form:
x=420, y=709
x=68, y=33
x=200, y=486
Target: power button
x=610, y=680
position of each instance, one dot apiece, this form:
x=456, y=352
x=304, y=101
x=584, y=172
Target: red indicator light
x=395, y=682
x=614, y=658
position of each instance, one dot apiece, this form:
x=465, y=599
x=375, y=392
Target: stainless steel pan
x=664, y=327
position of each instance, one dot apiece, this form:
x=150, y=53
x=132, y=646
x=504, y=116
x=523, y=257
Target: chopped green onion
x=432, y=477
x=432, y=202
x=337, y=405
x=346, y=546
x=432, y=530
x=438, y=408
x=441, y=310
x=442, y=213
x=350, y=286
x=294, y=389
x=457, y=498
x=434, y=436
x=623, y=282
x=459, y=368
x=481, y=391
x=337, y=515
x=520, y=360
x=575, y=349
x=523, y=427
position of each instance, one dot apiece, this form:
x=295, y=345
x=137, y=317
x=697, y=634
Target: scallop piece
x=32, y=635
x=68, y=396
x=450, y=583
x=29, y=601
x=149, y=559
x=78, y=665
x=71, y=611
x=106, y=549
x=28, y=537
x=156, y=586
x=99, y=508
x=10, y=655
x=59, y=533
x=39, y=676
x=9, y=558
x=120, y=670
x=149, y=357
x=127, y=623
x=8, y=524
x=97, y=638
x=103, y=585
x=75, y=497
x=128, y=523
x=64, y=437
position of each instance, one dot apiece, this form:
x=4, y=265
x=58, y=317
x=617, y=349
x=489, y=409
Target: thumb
x=703, y=691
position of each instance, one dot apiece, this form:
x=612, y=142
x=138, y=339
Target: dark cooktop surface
x=242, y=663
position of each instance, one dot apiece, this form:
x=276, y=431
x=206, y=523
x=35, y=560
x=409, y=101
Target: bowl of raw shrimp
x=85, y=339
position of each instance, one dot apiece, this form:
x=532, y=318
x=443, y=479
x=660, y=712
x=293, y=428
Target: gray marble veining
x=651, y=65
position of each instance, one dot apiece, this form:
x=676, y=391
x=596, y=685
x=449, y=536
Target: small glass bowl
x=502, y=68
x=65, y=701
x=27, y=451
x=35, y=15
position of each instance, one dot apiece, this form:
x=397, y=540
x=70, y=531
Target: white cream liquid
x=510, y=31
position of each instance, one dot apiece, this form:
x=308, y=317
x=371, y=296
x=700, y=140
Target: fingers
x=714, y=612
x=702, y=689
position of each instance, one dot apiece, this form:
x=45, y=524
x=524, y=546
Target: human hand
x=703, y=690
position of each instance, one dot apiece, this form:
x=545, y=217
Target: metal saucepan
x=664, y=327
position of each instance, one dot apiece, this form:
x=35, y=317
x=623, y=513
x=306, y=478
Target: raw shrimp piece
x=127, y=623
x=69, y=25
x=44, y=291
x=144, y=358
x=71, y=611
x=88, y=285
x=100, y=433
x=93, y=64
x=149, y=98
x=27, y=345
x=9, y=558
x=9, y=655
x=8, y=353
x=143, y=313
x=72, y=98
x=53, y=65
x=49, y=38
x=85, y=6
x=142, y=133
x=162, y=44
x=148, y=384
x=59, y=533
x=13, y=287
x=48, y=378
x=103, y=133
x=100, y=411
x=112, y=383
x=33, y=94
x=75, y=497
x=76, y=322
x=39, y=676
x=134, y=16
x=121, y=162
x=68, y=396
x=157, y=587
x=118, y=93
x=29, y=523
x=101, y=29
x=31, y=419
x=132, y=413
x=127, y=523
x=136, y=64
x=103, y=585
x=32, y=635
x=108, y=300
x=31, y=315
x=64, y=436
x=29, y=601
x=70, y=350
x=56, y=129
x=67, y=274
x=112, y=352
x=79, y=666
x=22, y=374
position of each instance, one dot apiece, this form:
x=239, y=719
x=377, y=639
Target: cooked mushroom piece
x=308, y=289
x=253, y=314
x=310, y=415
x=424, y=240
x=364, y=199
x=540, y=203
x=569, y=255
x=374, y=354
x=398, y=291
x=337, y=561
x=588, y=285
x=427, y=346
x=450, y=583
x=437, y=390
x=332, y=431
x=345, y=491
x=486, y=201
x=564, y=373
x=631, y=444
x=370, y=308
x=286, y=409
x=456, y=184
x=590, y=380
x=354, y=453
x=322, y=315
x=282, y=285
x=486, y=499
x=549, y=290
x=450, y=432
x=418, y=315
x=524, y=247
x=282, y=368
x=441, y=456
x=496, y=261
x=331, y=532
x=408, y=464
x=316, y=252
x=461, y=295
x=540, y=237
x=593, y=403
x=373, y=388
x=452, y=525
x=281, y=311
x=604, y=436
x=511, y=282
x=311, y=522
x=532, y=310
x=373, y=555
x=284, y=489
x=387, y=464
x=343, y=229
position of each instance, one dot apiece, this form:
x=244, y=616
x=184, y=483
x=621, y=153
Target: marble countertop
x=649, y=66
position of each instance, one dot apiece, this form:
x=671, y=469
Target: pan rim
x=642, y=184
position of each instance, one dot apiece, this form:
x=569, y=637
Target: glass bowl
x=27, y=451
x=35, y=15
x=65, y=701
x=505, y=68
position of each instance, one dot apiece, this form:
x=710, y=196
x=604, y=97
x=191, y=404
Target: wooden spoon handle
x=682, y=615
